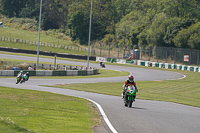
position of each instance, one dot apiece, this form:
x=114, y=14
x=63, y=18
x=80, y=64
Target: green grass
x=184, y=91
x=33, y=36
x=42, y=48
x=35, y=111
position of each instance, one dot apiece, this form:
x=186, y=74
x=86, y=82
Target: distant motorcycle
x=22, y=77
x=129, y=96
x=102, y=65
x=18, y=78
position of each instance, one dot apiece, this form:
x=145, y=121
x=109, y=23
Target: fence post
x=166, y=56
x=141, y=52
x=133, y=51
x=190, y=57
x=118, y=51
x=198, y=58
x=91, y=49
x=100, y=48
x=174, y=55
x=109, y=51
x=55, y=63
x=182, y=55
x=149, y=53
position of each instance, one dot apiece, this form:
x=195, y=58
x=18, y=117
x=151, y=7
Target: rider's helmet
x=27, y=73
x=131, y=78
x=21, y=71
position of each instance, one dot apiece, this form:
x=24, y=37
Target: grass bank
x=184, y=91
x=42, y=48
x=29, y=35
x=34, y=111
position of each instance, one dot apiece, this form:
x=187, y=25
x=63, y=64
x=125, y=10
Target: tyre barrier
x=150, y=64
x=51, y=72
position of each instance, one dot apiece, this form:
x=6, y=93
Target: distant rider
x=128, y=82
x=25, y=77
x=21, y=73
x=102, y=64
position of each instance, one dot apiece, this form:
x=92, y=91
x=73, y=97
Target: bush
x=23, y=66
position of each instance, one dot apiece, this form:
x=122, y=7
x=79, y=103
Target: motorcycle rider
x=129, y=81
x=19, y=76
x=21, y=72
x=25, y=77
x=102, y=64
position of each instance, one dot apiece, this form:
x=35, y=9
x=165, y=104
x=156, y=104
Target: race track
x=144, y=117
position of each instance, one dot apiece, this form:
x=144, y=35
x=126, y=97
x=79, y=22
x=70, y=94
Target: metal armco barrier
x=47, y=53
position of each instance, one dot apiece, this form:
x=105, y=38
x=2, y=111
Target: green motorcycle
x=129, y=96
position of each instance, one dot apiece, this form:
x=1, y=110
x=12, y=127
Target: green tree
x=174, y=29
x=182, y=8
x=12, y=8
x=31, y=9
x=78, y=26
x=189, y=37
x=101, y=18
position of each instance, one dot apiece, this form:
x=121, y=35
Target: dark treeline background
x=169, y=23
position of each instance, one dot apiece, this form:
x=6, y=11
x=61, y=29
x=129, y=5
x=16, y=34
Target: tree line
x=169, y=23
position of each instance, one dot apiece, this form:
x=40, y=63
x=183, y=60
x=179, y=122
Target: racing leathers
x=128, y=83
x=25, y=77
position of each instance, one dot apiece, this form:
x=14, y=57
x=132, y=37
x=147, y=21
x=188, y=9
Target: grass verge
x=34, y=111
x=33, y=36
x=184, y=91
x=42, y=48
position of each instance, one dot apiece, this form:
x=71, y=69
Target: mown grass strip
x=184, y=91
x=42, y=48
x=34, y=111
x=33, y=36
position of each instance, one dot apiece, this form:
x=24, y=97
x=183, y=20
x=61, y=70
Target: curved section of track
x=145, y=116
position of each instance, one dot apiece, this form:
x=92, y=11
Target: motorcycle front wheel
x=126, y=105
x=18, y=80
x=130, y=101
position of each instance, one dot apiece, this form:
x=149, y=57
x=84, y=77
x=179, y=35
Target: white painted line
x=104, y=116
x=102, y=113
x=184, y=76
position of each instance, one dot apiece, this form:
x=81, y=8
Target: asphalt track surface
x=145, y=116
